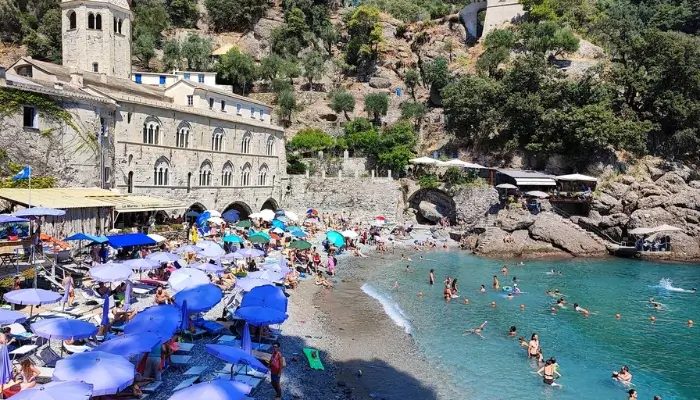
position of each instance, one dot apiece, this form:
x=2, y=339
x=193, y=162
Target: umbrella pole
x=231, y=371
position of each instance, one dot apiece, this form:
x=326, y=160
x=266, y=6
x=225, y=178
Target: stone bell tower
x=97, y=36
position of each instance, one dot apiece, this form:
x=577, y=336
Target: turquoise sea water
x=664, y=357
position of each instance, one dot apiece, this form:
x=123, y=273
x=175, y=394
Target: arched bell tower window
x=91, y=21
x=72, y=20
x=98, y=22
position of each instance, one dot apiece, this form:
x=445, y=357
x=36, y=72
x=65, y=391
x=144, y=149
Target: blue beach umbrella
x=105, y=313
x=202, y=218
x=218, y=389
x=261, y=316
x=39, y=212
x=235, y=355
x=335, y=238
x=246, y=341
x=163, y=320
x=57, y=391
x=31, y=297
x=107, y=373
x=8, y=317
x=142, y=264
x=5, y=366
x=199, y=298
x=247, y=284
x=233, y=239
x=266, y=296
x=9, y=219
x=131, y=344
x=63, y=329
x=279, y=224
x=231, y=216
x=110, y=272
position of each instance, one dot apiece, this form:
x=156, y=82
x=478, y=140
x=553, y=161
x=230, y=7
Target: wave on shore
x=391, y=308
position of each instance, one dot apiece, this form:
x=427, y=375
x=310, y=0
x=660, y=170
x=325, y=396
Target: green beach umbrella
x=244, y=224
x=233, y=239
x=300, y=244
x=257, y=238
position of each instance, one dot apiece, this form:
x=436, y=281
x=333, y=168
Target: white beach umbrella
x=216, y=220
x=423, y=161
x=255, y=216
x=350, y=234
x=506, y=186
x=184, y=278
x=267, y=215
x=291, y=215
x=214, y=213
x=455, y=162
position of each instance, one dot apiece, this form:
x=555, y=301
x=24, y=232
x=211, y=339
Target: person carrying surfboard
x=276, y=366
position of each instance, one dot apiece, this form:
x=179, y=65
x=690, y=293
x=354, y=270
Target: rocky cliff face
x=657, y=193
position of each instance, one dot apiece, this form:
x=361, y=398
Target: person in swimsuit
x=483, y=289
x=522, y=342
x=504, y=270
x=632, y=394
x=516, y=289
x=512, y=331
x=431, y=277
x=495, y=282
x=454, y=287
x=579, y=308
x=162, y=297
x=477, y=331
x=547, y=372
x=68, y=285
x=624, y=375
x=27, y=375
x=447, y=293
x=408, y=269
x=533, y=346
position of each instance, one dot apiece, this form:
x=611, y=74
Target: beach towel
x=313, y=356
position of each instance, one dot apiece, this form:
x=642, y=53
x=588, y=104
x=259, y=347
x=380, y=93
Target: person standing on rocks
x=276, y=366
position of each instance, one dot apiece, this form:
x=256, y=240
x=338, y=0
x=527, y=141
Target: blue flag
x=25, y=173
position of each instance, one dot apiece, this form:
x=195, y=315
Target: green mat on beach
x=314, y=362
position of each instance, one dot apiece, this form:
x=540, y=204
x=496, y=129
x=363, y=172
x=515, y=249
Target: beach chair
x=151, y=387
x=46, y=356
x=45, y=374
x=184, y=347
x=186, y=383
x=17, y=331
x=179, y=360
x=196, y=370
x=22, y=351
x=72, y=349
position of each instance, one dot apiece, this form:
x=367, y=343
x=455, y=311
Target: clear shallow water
x=664, y=357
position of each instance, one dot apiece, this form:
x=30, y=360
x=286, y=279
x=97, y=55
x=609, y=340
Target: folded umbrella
x=107, y=373
x=218, y=389
x=199, y=298
x=5, y=365
x=63, y=329
x=57, y=391
x=131, y=344
x=184, y=278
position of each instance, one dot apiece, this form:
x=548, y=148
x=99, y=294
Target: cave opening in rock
x=431, y=205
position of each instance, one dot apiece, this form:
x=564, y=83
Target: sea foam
x=391, y=308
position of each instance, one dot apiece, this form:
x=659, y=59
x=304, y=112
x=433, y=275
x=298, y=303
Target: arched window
x=98, y=22
x=245, y=175
x=227, y=174
x=91, y=21
x=205, y=174
x=262, y=175
x=217, y=140
x=72, y=20
x=182, y=137
x=161, y=171
x=245, y=145
x=270, y=148
x=115, y=24
x=189, y=182
x=130, y=182
x=119, y=26
x=95, y=67
x=151, y=131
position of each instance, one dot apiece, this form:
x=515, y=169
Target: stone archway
x=431, y=205
x=198, y=207
x=270, y=204
x=243, y=209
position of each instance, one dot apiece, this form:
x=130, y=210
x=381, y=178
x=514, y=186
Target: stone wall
x=473, y=203
x=361, y=198
x=333, y=166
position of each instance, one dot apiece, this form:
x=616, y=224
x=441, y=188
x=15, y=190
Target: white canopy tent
x=423, y=161
x=576, y=178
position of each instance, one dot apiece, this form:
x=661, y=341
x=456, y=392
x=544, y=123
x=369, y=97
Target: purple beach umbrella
x=8, y=317
x=246, y=341
x=131, y=344
x=247, y=284
x=218, y=389
x=31, y=297
x=7, y=219
x=235, y=355
x=105, y=313
x=142, y=264
x=162, y=320
x=57, y=391
x=39, y=212
x=63, y=329
x=5, y=367
x=107, y=373
x=200, y=298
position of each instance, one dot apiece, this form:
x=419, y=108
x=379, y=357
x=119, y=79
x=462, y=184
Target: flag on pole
x=25, y=173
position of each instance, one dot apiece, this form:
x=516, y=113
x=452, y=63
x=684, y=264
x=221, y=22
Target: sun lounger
x=45, y=374
x=226, y=339
x=210, y=327
x=196, y=370
x=151, y=387
x=153, y=282
x=186, y=383
x=47, y=357
x=179, y=359
x=142, y=290
x=72, y=349
x=20, y=333
x=196, y=333
x=184, y=347
x=255, y=346
x=23, y=351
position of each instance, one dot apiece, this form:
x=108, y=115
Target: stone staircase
x=597, y=236
x=488, y=225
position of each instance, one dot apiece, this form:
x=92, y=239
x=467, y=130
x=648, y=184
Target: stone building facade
x=201, y=145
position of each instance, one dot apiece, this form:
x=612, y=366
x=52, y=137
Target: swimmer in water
x=512, y=331
x=624, y=375
x=477, y=331
x=556, y=292
x=495, y=282
x=560, y=303
x=515, y=279
x=632, y=394
x=533, y=346
x=521, y=263
x=522, y=342
x=396, y=285
x=504, y=270
x=516, y=289
x=454, y=287
x=483, y=289
x=405, y=258
x=547, y=372
x=549, y=292
x=431, y=277
x=510, y=296
x=579, y=308
x=447, y=293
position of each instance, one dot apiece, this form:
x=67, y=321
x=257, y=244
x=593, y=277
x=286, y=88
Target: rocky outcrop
x=516, y=244
x=379, y=83
x=563, y=235
x=514, y=220
x=429, y=211
x=473, y=203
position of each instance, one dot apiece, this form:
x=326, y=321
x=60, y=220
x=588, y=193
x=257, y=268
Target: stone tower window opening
x=245, y=175
x=130, y=182
x=95, y=67
x=182, y=137
x=217, y=140
x=262, y=175
x=91, y=21
x=151, y=131
x=98, y=22
x=245, y=144
x=270, y=148
x=72, y=20
x=161, y=172
x=227, y=174
x=189, y=182
x=205, y=174
x=115, y=24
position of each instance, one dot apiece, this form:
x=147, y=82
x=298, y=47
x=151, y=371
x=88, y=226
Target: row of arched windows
x=151, y=135
x=94, y=22
x=161, y=170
